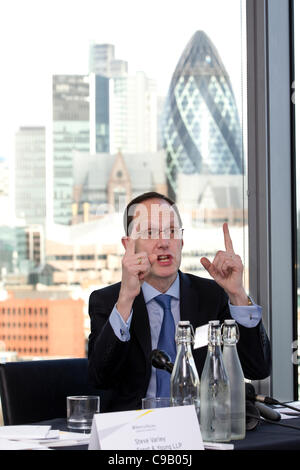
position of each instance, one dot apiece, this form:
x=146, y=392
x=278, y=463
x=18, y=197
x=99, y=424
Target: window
x=271, y=198
x=168, y=112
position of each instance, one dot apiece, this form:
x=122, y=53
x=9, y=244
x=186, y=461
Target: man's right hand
x=135, y=267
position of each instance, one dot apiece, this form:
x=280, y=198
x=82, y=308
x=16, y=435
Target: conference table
x=266, y=436
x=272, y=436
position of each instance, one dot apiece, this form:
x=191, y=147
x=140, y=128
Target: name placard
x=174, y=428
x=201, y=336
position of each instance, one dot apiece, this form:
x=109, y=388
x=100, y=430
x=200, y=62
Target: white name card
x=201, y=337
x=175, y=428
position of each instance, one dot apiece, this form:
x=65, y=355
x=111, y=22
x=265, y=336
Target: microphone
x=265, y=411
x=160, y=360
x=251, y=395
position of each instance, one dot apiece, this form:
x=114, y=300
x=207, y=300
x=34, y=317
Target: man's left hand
x=227, y=270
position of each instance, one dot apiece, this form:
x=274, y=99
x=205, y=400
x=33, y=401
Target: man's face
x=157, y=231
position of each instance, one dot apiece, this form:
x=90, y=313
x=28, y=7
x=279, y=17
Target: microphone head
x=161, y=360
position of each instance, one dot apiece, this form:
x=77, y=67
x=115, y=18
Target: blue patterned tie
x=166, y=343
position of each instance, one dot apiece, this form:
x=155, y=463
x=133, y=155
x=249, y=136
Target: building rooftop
x=92, y=171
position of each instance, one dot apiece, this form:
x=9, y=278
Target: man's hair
x=127, y=218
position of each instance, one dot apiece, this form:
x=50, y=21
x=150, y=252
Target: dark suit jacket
x=124, y=368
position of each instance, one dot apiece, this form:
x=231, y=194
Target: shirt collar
x=150, y=292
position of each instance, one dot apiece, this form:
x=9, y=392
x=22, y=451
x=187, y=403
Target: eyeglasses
x=167, y=233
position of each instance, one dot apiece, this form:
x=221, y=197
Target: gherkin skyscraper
x=201, y=127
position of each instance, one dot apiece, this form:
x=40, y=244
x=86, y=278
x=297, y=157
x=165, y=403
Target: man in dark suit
x=126, y=318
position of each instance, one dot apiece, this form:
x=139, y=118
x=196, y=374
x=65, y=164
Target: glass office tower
x=71, y=132
x=201, y=130
x=102, y=61
x=99, y=114
x=80, y=124
x=30, y=175
x=133, y=114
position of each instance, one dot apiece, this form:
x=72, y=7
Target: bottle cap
x=214, y=322
x=229, y=322
x=184, y=332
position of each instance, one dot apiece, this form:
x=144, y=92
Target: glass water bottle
x=215, y=391
x=185, y=384
x=236, y=379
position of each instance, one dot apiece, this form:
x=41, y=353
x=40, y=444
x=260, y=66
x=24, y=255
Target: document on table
x=6, y=444
x=287, y=413
x=69, y=439
x=27, y=432
x=38, y=437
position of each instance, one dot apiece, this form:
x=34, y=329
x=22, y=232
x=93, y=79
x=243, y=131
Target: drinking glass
x=155, y=402
x=80, y=412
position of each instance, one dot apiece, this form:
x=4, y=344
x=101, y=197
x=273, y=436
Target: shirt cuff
x=120, y=327
x=246, y=315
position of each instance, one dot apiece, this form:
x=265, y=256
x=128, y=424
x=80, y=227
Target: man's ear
x=124, y=241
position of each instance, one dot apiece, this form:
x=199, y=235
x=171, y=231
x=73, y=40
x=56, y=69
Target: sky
x=42, y=38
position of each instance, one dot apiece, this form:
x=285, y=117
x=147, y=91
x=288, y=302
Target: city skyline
x=42, y=52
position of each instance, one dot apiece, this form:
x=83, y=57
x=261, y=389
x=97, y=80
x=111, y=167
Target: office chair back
x=33, y=391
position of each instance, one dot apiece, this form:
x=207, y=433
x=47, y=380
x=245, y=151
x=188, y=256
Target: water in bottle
x=236, y=379
x=215, y=391
x=185, y=384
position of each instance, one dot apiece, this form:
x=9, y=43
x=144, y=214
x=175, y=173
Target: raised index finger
x=227, y=239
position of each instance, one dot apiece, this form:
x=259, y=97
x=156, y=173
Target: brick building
x=38, y=327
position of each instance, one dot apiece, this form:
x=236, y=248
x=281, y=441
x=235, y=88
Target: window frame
x=271, y=185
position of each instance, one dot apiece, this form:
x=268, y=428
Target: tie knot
x=164, y=300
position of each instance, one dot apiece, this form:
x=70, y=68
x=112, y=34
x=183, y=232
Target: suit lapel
x=189, y=301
